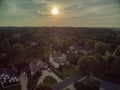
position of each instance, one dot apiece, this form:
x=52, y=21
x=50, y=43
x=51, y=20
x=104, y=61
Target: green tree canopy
x=4, y=46
x=17, y=55
x=102, y=61
x=83, y=41
x=39, y=52
x=111, y=59
x=101, y=48
x=73, y=58
x=90, y=44
x=117, y=51
x=88, y=64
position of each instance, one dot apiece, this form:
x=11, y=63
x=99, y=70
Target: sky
x=76, y=13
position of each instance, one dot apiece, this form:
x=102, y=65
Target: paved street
x=47, y=73
x=72, y=79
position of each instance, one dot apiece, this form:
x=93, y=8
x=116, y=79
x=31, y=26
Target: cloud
x=42, y=1
x=94, y=8
x=74, y=10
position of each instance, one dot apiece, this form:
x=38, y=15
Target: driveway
x=48, y=73
x=71, y=80
x=23, y=78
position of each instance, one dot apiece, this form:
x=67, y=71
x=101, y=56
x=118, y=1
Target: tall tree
x=88, y=64
x=101, y=48
x=39, y=52
x=17, y=55
x=83, y=41
x=4, y=46
x=90, y=44
x=103, y=63
x=117, y=51
x=73, y=58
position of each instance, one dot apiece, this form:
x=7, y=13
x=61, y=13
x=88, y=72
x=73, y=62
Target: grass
x=67, y=89
x=17, y=87
x=67, y=71
x=49, y=80
x=32, y=82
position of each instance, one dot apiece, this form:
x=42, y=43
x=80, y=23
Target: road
x=104, y=85
x=72, y=79
x=47, y=73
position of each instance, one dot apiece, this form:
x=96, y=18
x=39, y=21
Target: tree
x=73, y=58
x=111, y=59
x=17, y=55
x=39, y=52
x=88, y=64
x=101, y=48
x=90, y=44
x=101, y=59
x=2, y=57
x=83, y=41
x=117, y=51
x=81, y=86
x=63, y=44
x=4, y=46
x=103, y=63
x=115, y=70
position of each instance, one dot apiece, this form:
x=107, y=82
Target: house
x=37, y=65
x=9, y=76
x=13, y=75
x=57, y=58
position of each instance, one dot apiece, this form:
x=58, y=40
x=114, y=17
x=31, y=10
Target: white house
x=9, y=76
x=57, y=58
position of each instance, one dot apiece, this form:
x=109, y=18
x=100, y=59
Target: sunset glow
x=55, y=11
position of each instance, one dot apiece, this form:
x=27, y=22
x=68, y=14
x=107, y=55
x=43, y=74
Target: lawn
x=16, y=87
x=49, y=80
x=32, y=82
x=68, y=71
x=67, y=89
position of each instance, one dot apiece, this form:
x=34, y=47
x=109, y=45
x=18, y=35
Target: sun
x=55, y=11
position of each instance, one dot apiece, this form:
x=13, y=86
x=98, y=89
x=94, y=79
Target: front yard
x=16, y=87
x=67, y=71
x=49, y=80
